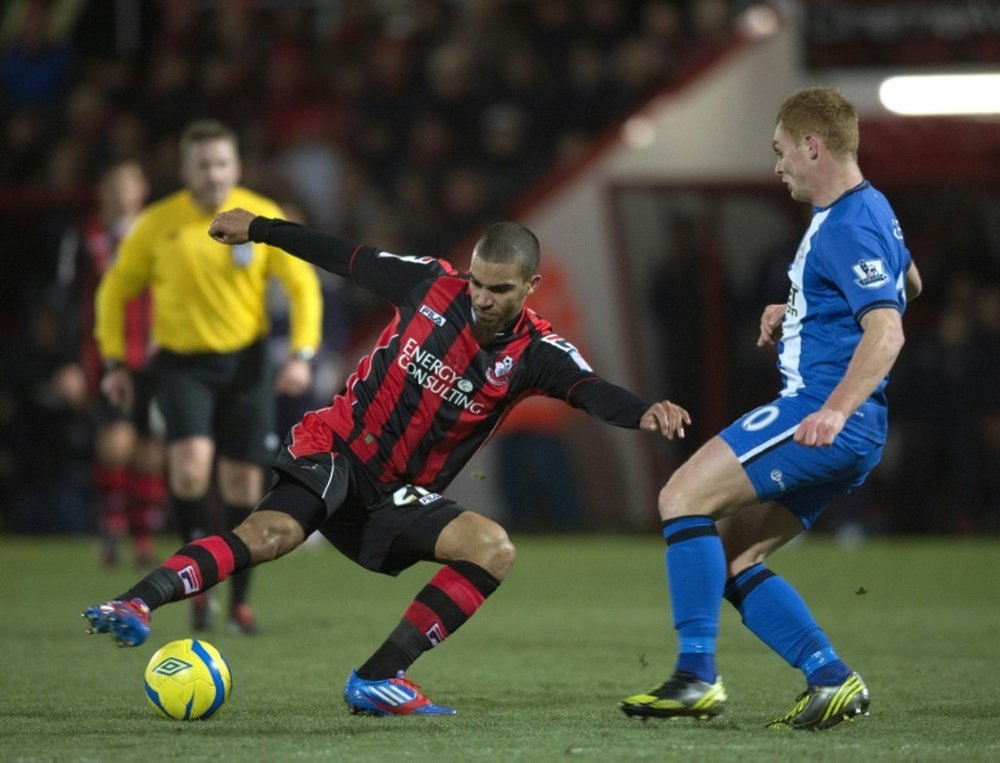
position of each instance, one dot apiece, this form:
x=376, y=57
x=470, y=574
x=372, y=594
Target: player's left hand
x=770, y=324
x=294, y=378
x=820, y=428
x=667, y=418
x=231, y=227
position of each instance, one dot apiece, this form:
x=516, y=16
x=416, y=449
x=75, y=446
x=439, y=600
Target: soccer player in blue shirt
x=769, y=475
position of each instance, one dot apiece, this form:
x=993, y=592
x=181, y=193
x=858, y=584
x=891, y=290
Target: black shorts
x=227, y=397
x=384, y=529
x=142, y=413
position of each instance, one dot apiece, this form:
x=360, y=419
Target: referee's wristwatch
x=113, y=365
x=305, y=353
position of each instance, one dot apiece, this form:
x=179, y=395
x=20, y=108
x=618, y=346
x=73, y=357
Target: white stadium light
x=639, y=132
x=759, y=21
x=924, y=95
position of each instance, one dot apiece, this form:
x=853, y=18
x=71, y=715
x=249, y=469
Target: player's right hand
x=232, y=226
x=117, y=387
x=770, y=324
x=667, y=418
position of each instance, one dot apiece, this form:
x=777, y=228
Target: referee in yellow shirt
x=212, y=376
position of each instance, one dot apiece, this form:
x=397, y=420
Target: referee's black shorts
x=226, y=396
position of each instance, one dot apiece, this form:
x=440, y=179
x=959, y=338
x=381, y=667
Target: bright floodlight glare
x=759, y=21
x=921, y=95
x=639, y=132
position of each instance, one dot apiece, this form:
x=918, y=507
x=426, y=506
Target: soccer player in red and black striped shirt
x=368, y=470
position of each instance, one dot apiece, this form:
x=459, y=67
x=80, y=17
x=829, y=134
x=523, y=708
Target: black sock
x=445, y=603
x=195, y=568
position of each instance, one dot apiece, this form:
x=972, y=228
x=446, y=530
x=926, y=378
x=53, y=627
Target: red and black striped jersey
x=428, y=396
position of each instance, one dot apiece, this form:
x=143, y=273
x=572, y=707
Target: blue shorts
x=802, y=479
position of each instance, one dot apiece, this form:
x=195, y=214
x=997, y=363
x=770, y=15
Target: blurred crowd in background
x=405, y=124
x=402, y=120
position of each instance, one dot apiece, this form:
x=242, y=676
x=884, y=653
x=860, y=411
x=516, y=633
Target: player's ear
x=812, y=141
x=534, y=282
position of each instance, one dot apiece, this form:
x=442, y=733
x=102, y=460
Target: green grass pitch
x=536, y=675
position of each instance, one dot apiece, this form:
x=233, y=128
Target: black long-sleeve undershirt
x=324, y=250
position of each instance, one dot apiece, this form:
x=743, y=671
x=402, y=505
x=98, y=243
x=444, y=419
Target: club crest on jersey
x=497, y=373
x=428, y=312
x=242, y=254
x=870, y=274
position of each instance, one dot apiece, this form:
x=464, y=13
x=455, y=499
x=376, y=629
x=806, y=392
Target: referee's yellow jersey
x=207, y=296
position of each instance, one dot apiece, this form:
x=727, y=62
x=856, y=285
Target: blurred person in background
x=128, y=455
x=212, y=375
x=45, y=417
x=768, y=476
x=36, y=52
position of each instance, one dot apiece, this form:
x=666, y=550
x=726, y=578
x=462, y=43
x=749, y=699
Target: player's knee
x=190, y=464
x=494, y=551
x=189, y=482
x=114, y=445
x=669, y=503
x=504, y=554
x=188, y=487
x=246, y=495
x=240, y=484
x=270, y=535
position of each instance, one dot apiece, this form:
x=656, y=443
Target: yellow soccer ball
x=188, y=680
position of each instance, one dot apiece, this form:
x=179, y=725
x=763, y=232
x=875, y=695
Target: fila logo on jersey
x=434, y=316
x=870, y=274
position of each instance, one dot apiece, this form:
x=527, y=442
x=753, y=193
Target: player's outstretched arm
x=667, y=418
x=324, y=250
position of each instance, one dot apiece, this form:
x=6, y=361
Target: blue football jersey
x=852, y=259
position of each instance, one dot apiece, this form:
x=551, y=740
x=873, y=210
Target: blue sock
x=778, y=616
x=696, y=573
